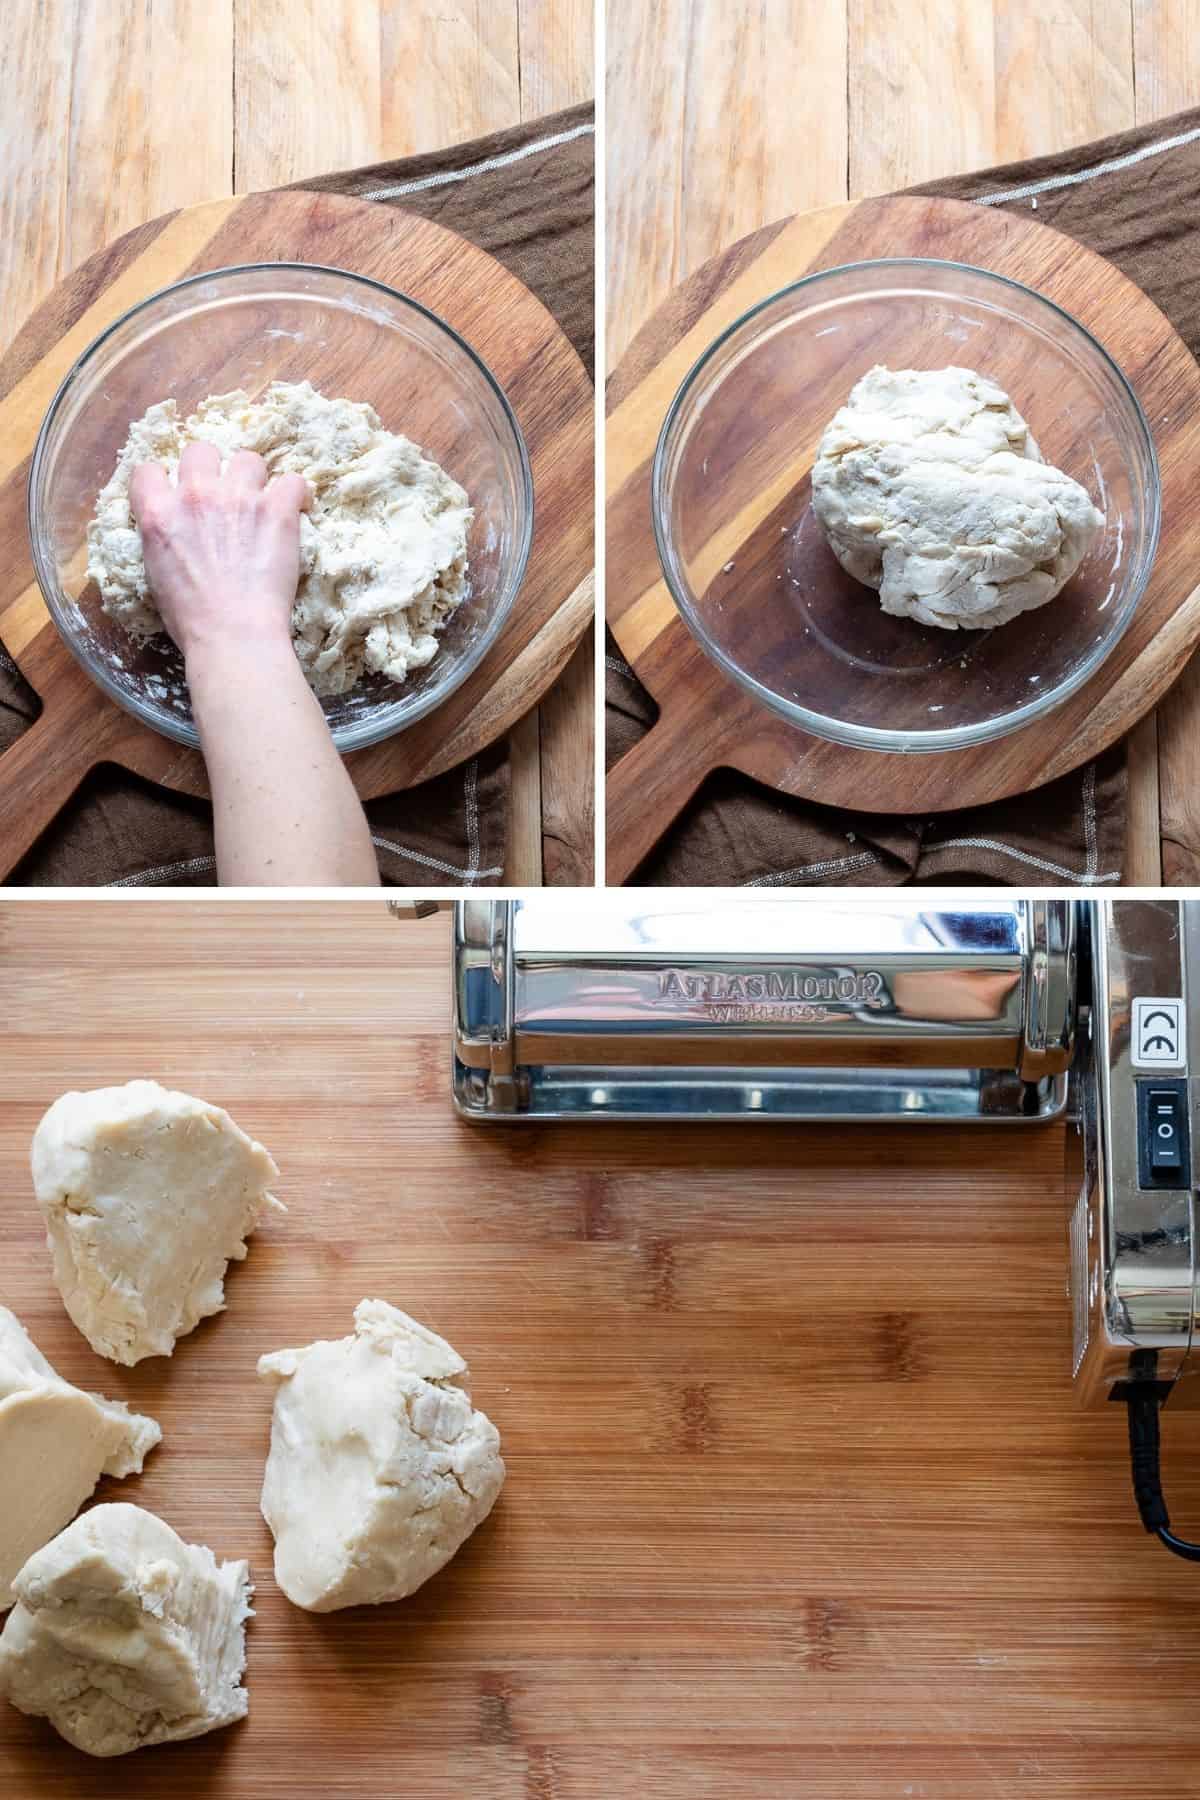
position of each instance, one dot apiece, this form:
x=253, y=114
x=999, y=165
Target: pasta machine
x=1017, y=1012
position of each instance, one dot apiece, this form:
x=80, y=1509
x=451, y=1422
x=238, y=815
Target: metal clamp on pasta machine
x=656, y=1006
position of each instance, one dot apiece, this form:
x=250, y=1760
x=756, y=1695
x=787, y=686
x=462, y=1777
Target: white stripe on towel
x=434, y=862
x=167, y=872
x=448, y=176
x=1088, y=879
x=1079, y=176
x=863, y=860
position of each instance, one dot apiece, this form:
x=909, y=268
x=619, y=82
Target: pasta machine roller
x=665, y=1007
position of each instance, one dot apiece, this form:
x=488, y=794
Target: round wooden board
x=542, y=376
x=706, y=721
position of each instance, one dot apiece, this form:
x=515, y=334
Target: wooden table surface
x=118, y=110
x=709, y=138
x=799, y=1505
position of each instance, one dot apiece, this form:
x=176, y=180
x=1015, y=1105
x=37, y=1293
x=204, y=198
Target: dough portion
x=124, y=1635
x=380, y=1468
x=383, y=552
x=55, y=1443
x=930, y=487
x=147, y=1195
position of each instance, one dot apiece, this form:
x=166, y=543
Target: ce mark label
x=1159, y=1039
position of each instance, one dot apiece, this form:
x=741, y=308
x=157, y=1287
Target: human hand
x=222, y=551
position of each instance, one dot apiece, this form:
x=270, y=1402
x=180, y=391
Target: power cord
x=1143, y=1398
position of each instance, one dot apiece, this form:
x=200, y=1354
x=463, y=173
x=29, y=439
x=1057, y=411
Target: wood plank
x=556, y=42
x=1143, y=856
x=89, y=154
x=37, y=91
x=769, y=1397
x=450, y=70
x=922, y=91
x=569, y=725
x=1064, y=74
x=706, y=140
x=523, y=864
x=125, y=164
x=1165, y=36
x=308, y=82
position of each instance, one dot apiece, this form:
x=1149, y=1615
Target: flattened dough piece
x=380, y=1468
x=147, y=1195
x=123, y=1635
x=55, y=1444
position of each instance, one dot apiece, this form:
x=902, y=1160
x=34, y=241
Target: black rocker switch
x=1162, y=1134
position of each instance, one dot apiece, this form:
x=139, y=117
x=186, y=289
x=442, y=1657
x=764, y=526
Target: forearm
x=285, y=812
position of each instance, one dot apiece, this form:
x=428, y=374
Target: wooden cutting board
x=534, y=363
x=706, y=721
x=799, y=1506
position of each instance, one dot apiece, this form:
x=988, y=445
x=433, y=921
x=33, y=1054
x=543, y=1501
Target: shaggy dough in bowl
x=383, y=553
x=930, y=487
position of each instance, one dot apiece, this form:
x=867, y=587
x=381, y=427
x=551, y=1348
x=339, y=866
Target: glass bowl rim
x=357, y=735
x=862, y=737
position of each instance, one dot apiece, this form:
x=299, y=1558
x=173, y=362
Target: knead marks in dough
x=380, y=1468
x=147, y=1195
x=383, y=552
x=124, y=1636
x=930, y=487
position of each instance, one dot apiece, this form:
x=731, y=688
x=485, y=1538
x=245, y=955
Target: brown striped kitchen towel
x=524, y=195
x=1133, y=198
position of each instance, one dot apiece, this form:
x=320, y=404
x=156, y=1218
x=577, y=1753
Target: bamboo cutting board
x=798, y=1505
x=516, y=337
x=706, y=721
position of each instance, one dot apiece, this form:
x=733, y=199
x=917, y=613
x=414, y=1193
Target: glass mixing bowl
x=748, y=565
x=243, y=328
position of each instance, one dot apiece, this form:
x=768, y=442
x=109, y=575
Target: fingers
x=291, y=493
x=200, y=466
x=199, y=463
x=149, y=485
x=246, y=469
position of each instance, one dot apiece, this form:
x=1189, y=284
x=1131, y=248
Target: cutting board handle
x=38, y=775
x=647, y=790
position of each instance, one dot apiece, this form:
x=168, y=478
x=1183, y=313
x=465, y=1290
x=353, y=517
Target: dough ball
x=930, y=487
x=123, y=1635
x=55, y=1444
x=383, y=551
x=380, y=1468
x=147, y=1195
